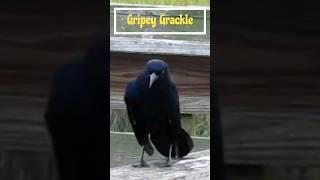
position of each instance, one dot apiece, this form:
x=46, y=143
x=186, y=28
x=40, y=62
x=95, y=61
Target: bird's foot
x=168, y=163
x=141, y=164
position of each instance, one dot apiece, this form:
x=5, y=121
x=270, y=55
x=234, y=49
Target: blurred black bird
x=76, y=116
x=153, y=108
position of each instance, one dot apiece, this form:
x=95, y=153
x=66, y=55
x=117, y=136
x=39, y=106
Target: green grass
x=166, y=2
x=194, y=124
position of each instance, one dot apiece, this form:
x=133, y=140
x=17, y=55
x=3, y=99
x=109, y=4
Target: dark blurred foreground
x=76, y=116
x=266, y=65
x=37, y=38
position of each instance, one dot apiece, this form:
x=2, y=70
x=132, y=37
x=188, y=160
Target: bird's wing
x=163, y=139
x=180, y=136
x=136, y=118
x=173, y=106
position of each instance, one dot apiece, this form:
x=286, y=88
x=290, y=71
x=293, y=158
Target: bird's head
x=156, y=69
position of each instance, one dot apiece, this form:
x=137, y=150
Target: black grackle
x=154, y=112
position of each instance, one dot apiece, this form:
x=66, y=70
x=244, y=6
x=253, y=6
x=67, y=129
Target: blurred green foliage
x=194, y=124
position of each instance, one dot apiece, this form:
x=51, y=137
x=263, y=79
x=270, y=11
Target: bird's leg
x=169, y=157
x=142, y=162
x=148, y=148
x=177, y=151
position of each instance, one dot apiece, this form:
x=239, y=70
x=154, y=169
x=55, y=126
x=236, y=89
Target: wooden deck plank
x=159, y=46
x=194, y=166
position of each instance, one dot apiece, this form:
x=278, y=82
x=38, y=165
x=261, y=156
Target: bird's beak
x=153, y=77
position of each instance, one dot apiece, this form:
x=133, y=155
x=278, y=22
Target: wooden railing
x=188, y=105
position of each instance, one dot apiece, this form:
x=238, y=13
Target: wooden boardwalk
x=194, y=166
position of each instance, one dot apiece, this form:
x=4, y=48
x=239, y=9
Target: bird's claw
x=175, y=157
x=168, y=163
x=141, y=164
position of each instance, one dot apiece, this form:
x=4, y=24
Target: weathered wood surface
x=22, y=125
x=267, y=72
x=270, y=105
x=194, y=166
x=191, y=74
x=159, y=46
x=27, y=165
x=34, y=40
x=29, y=59
x=125, y=149
x=188, y=105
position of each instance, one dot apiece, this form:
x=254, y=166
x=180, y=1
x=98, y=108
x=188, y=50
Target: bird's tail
x=162, y=143
x=185, y=143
